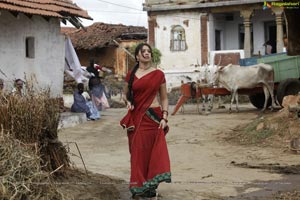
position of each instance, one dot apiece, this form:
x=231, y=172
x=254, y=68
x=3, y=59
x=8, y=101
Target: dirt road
x=200, y=158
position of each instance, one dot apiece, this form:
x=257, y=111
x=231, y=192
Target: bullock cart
x=286, y=76
x=196, y=91
x=286, y=82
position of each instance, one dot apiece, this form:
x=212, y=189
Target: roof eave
x=168, y=7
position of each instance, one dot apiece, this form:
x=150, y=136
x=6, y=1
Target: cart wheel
x=258, y=100
x=287, y=87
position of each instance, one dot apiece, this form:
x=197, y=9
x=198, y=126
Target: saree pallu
x=150, y=163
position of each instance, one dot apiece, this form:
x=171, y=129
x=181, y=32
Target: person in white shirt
x=268, y=48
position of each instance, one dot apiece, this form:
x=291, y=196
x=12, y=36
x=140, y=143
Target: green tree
x=156, y=56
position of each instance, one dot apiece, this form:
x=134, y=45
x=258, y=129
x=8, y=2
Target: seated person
x=95, y=114
x=18, y=88
x=1, y=86
x=80, y=103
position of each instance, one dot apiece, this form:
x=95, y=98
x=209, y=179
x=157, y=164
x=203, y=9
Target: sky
x=127, y=12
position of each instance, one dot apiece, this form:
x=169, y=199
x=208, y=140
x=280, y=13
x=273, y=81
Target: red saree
x=150, y=163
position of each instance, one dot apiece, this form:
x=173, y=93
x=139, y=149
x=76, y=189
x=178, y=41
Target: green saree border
x=151, y=113
x=151, y=184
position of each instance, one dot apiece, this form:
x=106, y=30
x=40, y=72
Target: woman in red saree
x=146, y=124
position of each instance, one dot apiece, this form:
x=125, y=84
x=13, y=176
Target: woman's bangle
x=165, y=120
x=165, y=111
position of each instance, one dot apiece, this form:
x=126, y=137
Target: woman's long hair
x=129, y=94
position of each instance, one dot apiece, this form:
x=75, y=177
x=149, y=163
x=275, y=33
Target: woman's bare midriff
x=155, y=103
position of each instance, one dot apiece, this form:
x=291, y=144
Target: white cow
x=234, y=77
x=206, y=79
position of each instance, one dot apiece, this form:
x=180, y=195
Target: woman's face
x=144, y=54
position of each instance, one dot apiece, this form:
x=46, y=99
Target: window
x=178, y=42
x=29, y=43
x=217, y=40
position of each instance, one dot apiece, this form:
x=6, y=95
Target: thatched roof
x=100, y=35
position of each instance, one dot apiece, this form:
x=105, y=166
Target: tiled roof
x=48, y=8
x=67, y=30
x=100, y=35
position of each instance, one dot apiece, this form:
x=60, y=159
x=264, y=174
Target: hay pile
x=21, y=174
x=33, y=119
x=29, y=148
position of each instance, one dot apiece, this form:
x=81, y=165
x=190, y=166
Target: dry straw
x=33, y=119
x=21, y=176
x=29, y=148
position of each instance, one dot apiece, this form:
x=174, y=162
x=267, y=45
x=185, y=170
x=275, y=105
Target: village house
x=193, y=30
x=31, y=43
x=107, y=45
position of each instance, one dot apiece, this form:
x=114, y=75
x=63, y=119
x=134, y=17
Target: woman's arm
x=164, y=105
x=164, y=97
x=128, y=103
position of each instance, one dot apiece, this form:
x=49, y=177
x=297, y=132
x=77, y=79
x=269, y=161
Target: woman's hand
x=163, y=123
x=129, y=106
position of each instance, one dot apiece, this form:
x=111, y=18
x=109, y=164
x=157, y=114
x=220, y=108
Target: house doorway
x=271, y=35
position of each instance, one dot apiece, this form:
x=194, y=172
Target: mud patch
x=280, y=131
x=79, y=185
x=285, y=189
x=273, y=167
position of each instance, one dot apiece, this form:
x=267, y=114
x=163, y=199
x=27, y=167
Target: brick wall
x=151, y=26
x=226, y=59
